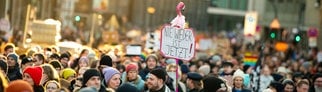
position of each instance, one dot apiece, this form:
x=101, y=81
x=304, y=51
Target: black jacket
x=14, y=73
x=38, y=89
x=195, y=90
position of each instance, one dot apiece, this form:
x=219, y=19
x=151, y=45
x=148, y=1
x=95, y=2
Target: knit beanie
x=131, y=67
x=238, y=73
x=56, y=64
x=215, y=59
x=89, y=74
x=171, y=61
x=88, y=89
x=26, y=60
x=184, y=68
x=204, y=69
x=127, y=88
x=108, y=72
x=19, y=86
x=160, y=73
x=152, y=56
x=14, y=56
x=106, y=60
x=4, y=65
x=35, y=73
x=67, y=73
x=212, y=84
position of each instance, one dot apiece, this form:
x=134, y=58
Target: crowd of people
x=41, y=71
x=51, y=70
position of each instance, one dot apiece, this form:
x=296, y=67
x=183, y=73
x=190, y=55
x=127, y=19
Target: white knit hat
x=204, y=69
x=239, y=73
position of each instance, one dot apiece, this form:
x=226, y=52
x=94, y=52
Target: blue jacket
x=138, y=83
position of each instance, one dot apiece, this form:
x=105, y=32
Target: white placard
x=177, y=43
x=133, y=50
x=250, y=23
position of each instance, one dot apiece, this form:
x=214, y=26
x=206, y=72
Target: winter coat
x=38, y=88
x=138, y=83
x=14, y=74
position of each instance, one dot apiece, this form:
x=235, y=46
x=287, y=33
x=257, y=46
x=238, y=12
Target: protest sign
x=177, y=43
x=133, y=50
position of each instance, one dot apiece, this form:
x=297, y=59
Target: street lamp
x=275, y=23
x=151, y=11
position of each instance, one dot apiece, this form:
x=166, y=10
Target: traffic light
x=297, y=38
x=272, y=34
x=77, y=18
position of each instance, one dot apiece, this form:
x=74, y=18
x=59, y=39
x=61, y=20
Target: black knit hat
x=160, y=73
x=106, y=60
x=184, y=68
x=212, y=84
x=127, y=88
x=3, y=65
x=26, y=60
x=88, y=74
x=55, y=64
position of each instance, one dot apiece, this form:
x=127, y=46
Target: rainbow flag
x=250, y=60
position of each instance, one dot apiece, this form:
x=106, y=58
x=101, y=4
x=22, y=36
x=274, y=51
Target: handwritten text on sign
x=177, y=43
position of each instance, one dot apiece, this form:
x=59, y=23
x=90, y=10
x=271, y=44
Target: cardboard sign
x=44, y=33
x=177, y=43
x=133, y=50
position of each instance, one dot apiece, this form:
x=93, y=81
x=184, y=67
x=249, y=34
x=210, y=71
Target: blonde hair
x=53, y=81
x=171, y=66
x=50, y=71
